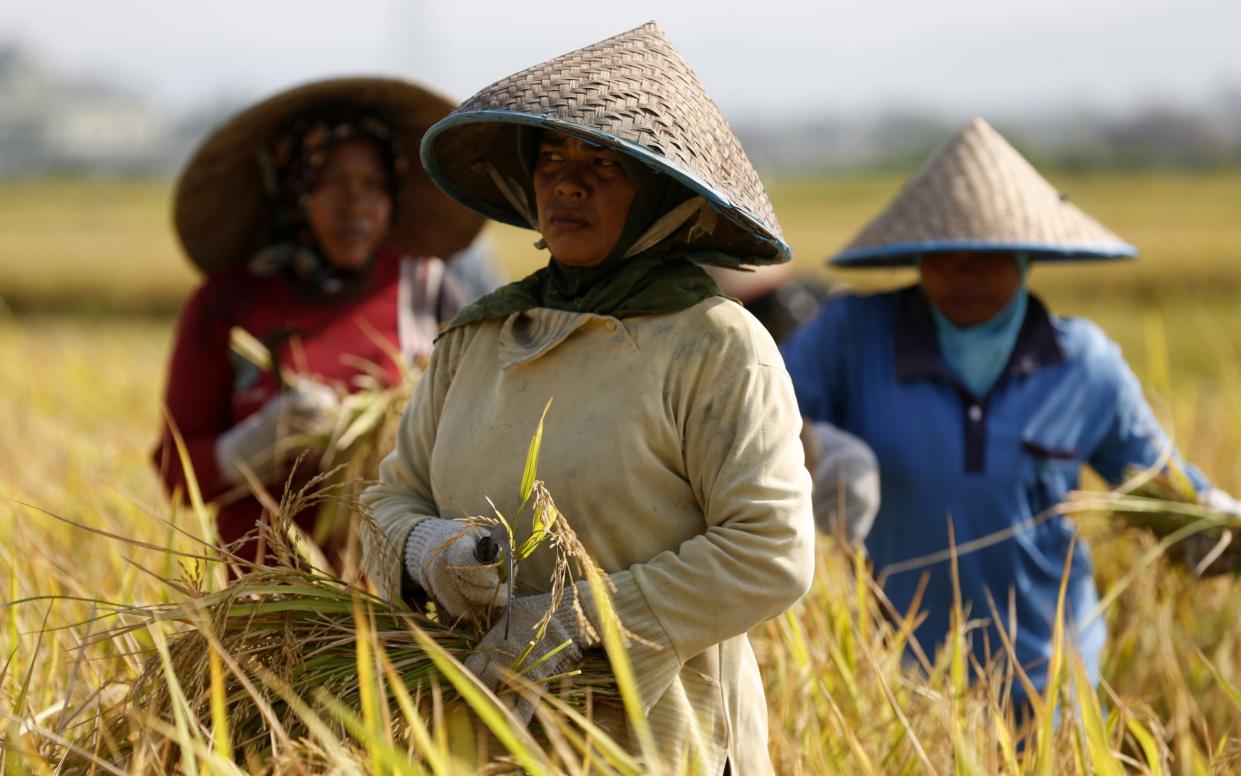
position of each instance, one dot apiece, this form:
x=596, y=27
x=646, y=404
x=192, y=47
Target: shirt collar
x=916, y=348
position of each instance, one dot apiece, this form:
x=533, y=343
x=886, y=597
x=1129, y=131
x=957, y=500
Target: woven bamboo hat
x=978, y=194
x=221, y=209
x=632, y=93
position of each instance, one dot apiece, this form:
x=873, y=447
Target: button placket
x=975, y=434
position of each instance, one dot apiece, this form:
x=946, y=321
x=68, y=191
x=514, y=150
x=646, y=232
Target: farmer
x=980, y=405
x=843, y=469
x=671, y=445
x=318, y=238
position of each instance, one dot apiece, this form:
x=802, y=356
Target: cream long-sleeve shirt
x=672, y=448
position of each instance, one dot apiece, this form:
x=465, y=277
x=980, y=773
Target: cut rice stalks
x=277, y=656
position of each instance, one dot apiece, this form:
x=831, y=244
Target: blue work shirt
x=978, y=464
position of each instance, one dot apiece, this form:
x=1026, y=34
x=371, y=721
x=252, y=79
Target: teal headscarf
x=661, y=279
x=978, y=354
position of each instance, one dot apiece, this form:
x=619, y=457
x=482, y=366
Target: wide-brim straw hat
x=977, y=193
x=632, y=93
x=221, y=208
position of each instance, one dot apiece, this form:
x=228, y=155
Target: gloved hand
x=305, y=407
x=845, y=475
x=1220, y=501
x=494, y=656
x=1216, y=551
x=439, y=556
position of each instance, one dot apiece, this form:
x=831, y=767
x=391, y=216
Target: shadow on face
x=583, y=196
x=970, y=287
x=350, y=207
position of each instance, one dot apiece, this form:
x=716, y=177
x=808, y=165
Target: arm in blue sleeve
x=1134, y=438
x=813, y=356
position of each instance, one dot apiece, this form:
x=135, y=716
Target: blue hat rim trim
x=738, y=215
x=901, y=254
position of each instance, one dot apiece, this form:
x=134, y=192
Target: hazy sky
x=757, y=59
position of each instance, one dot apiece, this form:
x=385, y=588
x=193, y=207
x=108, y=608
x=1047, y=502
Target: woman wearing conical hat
x=980, y=405
x=671, y=445
x=318, y=238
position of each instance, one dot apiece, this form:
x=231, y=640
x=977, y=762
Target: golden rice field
x=104, y=244
x=79, y=408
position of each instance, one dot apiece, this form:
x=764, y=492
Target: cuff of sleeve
x=384, y=554
x=412, y=592
x=422, y=537
x=652, y=657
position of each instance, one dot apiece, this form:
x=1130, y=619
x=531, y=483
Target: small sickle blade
x=489, y=548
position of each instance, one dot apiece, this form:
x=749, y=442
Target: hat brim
x=904, y=254
x=221, y=209
x=455, y=149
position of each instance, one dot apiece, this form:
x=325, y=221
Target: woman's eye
x=550, y=156
x=605, y=162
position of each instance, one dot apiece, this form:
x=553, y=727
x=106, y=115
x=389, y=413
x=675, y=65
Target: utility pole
x=418, y=50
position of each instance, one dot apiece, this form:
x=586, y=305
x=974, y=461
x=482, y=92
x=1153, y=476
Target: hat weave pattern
x=978, y=193
x=632, y=92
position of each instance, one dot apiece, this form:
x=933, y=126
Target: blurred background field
x=106, y=247
x=1133, y=110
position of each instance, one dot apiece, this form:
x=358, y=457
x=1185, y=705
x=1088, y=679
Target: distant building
x=49, y=126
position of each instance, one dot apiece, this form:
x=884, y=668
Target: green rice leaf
x=498, y=720
x=246, y=345
x=614, y=643
x=369, y=419
x=223, y=743
x=1150, y=749
x=1102, y=759
x=532, y=458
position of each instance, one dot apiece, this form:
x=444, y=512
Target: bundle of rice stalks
x=363, y=419
x=287, y=652
x=348, y=449
x=277, y=654
x=1165, y=502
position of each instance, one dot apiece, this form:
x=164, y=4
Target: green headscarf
x=659, y=280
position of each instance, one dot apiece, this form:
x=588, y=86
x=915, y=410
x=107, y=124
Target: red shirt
x=332, y=340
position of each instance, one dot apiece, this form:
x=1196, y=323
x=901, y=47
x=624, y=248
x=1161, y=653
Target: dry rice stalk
x=289, y=635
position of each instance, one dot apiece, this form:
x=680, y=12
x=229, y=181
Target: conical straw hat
x=978, y=194
x=633, y=93
x=221, y=209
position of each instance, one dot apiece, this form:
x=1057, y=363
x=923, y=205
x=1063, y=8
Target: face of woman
x=583, y=196
x=970, y=287
x=349, y=209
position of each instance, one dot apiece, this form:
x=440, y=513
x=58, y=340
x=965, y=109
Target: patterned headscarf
x=292, y=165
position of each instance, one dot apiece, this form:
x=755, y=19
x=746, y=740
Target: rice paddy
x=79, y=410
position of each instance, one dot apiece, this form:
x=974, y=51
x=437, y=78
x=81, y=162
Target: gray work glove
x=1220, y=501
x=439, y=556
x=845, y=476
x=1216, y=551
x=495, y=655
x=306, y=407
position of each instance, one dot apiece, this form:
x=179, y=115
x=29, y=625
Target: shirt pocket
x=1050, y=472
